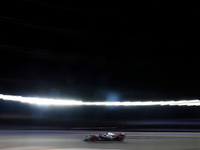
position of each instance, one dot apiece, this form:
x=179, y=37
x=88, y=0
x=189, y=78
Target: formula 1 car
x=105, y=137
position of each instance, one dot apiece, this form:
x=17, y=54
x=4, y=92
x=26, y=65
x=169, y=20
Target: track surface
x=55, y=140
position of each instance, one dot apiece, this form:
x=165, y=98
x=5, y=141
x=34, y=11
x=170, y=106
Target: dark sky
x=107, y=51
x=99, y=52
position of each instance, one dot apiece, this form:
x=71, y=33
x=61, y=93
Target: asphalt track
x=55, y=140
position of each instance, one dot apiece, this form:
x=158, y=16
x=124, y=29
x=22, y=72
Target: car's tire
x=93, y=138
x=121, y=138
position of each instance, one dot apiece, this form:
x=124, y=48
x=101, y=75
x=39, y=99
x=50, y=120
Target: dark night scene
x=99, y=75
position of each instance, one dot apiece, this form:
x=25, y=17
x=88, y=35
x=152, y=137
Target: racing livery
x=105, y=137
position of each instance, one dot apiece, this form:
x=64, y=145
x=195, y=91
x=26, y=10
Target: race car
x=105, y=137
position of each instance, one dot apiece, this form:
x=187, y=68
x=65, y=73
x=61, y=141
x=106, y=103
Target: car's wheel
x=93, y=138
x=121, y=138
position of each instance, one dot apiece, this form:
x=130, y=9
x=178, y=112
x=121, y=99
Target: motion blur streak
x=63, y=102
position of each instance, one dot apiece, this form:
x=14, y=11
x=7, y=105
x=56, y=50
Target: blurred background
x=99, y=52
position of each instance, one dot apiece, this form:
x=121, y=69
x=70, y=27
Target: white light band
x=68, y=102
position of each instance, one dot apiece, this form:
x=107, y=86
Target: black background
x=100, y=52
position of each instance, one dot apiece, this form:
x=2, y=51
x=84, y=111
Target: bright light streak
x=184, y=102
x=71, y=102
x=167, y=103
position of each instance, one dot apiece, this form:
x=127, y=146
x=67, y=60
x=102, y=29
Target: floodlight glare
x=72, y=102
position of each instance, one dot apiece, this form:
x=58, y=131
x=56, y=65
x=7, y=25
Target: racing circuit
x=55, y=140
